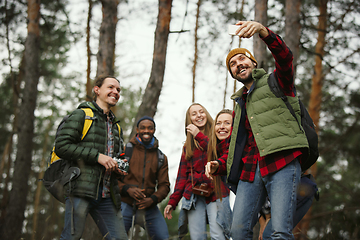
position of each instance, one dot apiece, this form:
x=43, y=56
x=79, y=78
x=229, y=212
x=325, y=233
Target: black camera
x=123, y=166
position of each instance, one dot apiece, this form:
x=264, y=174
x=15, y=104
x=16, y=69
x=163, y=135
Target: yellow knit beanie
x=236, y=51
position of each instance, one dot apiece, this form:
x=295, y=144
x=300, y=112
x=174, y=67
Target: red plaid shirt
x=284, y=73
x=222, y=150
x=183, y=185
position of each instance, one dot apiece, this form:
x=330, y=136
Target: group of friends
x=254, y=150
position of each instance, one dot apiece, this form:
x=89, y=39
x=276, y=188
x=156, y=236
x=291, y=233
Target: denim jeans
x=224, y=215
x=156, y=226
x=102, y=210
x=281, y=187
x=299, y=214
x=197, y=220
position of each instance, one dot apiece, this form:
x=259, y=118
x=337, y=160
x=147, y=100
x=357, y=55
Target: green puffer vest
x=272, y=124
x=84, y=154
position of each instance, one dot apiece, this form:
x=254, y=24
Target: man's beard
x=244, y=81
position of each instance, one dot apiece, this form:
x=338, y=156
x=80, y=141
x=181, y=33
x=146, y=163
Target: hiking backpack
x=59, y=171
x=306, y=124
x=129, y=150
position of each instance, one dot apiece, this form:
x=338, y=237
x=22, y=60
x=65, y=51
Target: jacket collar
x=136, y=142
x=256, y=74
x=93, y=105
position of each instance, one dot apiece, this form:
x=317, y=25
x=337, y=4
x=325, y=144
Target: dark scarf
x=147, y=146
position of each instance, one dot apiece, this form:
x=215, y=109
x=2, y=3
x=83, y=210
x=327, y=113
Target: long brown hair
x=212, y=152
x=191, y=143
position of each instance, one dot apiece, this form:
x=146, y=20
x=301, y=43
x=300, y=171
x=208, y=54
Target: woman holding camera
x=191, y=173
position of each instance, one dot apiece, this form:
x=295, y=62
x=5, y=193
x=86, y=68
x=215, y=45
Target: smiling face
x=146, y=131
x=223, y=126
x=198, y=116
x=108, y=94
x=241, y=68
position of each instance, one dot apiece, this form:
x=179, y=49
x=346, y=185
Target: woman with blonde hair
x=196, y=209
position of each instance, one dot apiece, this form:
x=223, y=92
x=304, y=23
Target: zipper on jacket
x=97, y=191
x=143, y=180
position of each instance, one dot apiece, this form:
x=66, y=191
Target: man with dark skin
x=147, y=182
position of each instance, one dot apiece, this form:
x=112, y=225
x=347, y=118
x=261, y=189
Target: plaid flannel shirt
x=285, y=74
x=222, y=150
x=183, y=185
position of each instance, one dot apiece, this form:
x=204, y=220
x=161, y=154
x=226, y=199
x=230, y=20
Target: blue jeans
x=197, y=220
x=299, y=214
x=155, y=223
x=104, y=213
x=224, y=215
x=281, y=187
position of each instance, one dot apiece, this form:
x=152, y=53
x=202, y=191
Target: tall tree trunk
x=241, y=11
x=12, y=228
x=6, y=164
x=315, y=98
x=106, y=53
x=259, y=47
x=88, y=70
x=39, y=183
x=105, y=66
x=318, y=77
x=150, y=98
x=196, y=39
x=292, y=28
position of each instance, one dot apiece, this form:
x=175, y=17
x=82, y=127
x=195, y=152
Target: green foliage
x=127, y=108
x=6, y=106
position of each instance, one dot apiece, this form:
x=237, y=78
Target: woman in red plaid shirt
x=198, y=124
x=217, y=149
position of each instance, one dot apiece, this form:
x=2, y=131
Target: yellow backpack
x=87, y=124
x=59, y=171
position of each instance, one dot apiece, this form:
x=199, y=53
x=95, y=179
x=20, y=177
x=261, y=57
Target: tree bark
x=88, y=70
x=318, y=77
x=292, y=28
x=315, y=100
x=12, y=227
x=259, y=46
x=105, y=66
x=150, y=98
x=39, y=183
x=241, y=11
x=106, y=53
x=196, y=40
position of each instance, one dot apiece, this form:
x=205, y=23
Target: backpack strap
x=276, y=90
x=89, y=117
x=119, y=128
x=53, y=157
x=161, y=159
x=129, y=150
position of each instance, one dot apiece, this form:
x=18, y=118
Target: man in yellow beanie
x=266, y=141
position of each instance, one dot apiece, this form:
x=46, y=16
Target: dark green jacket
x=84, y=154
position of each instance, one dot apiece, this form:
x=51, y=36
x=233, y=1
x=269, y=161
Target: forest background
x=168, y=54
